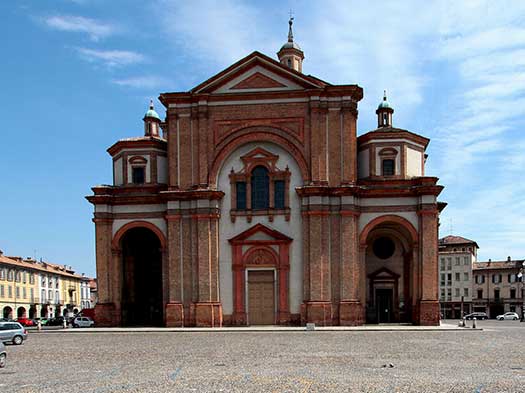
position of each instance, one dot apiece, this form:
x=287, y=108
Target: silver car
x=3, y=355
x=508, y=315
x=12, y=332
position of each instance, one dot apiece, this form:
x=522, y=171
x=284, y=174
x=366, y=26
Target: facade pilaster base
x=351, y=313
x=208, y=314
x=239, y=319
x=284, y=318
x=106, y=315
x=428, y=313
x=174, y=315
x=319, y=313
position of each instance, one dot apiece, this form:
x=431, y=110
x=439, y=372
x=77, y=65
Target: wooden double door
x=261, y=297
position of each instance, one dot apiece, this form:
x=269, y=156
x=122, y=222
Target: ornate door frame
x=273, y=252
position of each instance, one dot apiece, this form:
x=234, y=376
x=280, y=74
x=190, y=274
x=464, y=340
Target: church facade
x=255, y=202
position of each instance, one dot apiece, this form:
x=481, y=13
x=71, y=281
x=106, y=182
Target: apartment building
x=456, y=256
x=31, y=288
x=498, y=287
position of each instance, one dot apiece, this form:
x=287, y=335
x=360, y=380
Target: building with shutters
x=254, y=201
x=498, y=287
x=456, y=257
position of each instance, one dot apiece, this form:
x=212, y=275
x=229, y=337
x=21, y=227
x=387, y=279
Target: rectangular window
x=1, y=291
x=443, y=294
x=458, y=277
x=442, y=265
x=458, y=261
x=24, y=293
x=137, y=175
x=449, y=279
x=17, y=292
x=279, y=194
x=10, y=291
x=465, y=276
x=449, y=294
x=449, y=263
x=388, y=167
x=466, y=261
x=240, y=190
x=32, y=294
x=465, y=292
x=496, y=294
x=512, y=293
x=31, y=278
x=457, y=292
x=442, y=279
x=43, y=296
x=480, y=293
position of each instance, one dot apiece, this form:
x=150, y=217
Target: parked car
x=12, y=332
x=508, y=315
x=58, y=321
x=477, y=315
x=43, y=321
x=3, y=355
x=25, y=321
x=83, y=322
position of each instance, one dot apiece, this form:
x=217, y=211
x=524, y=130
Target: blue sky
x=77, y=75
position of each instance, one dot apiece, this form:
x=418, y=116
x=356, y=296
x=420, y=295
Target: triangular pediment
x=260, y=232
x=257, y=73
x=383, y=273
x=258, y=80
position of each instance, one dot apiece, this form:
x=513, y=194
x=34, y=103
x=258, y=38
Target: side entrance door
x=261, y=297
x=384, y=301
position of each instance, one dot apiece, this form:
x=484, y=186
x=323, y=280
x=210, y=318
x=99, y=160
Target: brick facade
x=338, y=214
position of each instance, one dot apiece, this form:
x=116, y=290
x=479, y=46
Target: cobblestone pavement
x=492, y=360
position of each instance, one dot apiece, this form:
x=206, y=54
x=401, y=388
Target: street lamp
x=520, y=276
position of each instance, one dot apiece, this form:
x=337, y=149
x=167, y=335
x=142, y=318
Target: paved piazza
x=492, y=360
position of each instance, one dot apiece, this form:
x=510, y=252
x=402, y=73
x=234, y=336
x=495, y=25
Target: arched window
x=388, y=167
x=260, y=188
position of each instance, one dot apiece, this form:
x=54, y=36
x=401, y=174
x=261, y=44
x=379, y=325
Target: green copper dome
x=151, y=112
x=384, y=104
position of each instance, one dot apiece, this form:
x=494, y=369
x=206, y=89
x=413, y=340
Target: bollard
x=64, y=323
x=474, y=323
x=39, y=325
x=464, y=322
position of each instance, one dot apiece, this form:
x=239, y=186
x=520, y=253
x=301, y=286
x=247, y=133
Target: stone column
x=351, y=305
x=105, y=308
x=174, y=314
x=429, y=304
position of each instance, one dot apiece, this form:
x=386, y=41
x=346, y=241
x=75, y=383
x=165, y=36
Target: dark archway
x=8, y=312
x=32, y=312
x=389, y=268
x=142, y=303
x=44, y=312
x=21, y=312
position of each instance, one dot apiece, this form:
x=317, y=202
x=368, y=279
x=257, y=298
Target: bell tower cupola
x=151, y=122
x=290, y=53
x=384, y=113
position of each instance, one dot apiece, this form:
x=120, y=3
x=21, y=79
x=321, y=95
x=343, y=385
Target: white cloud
x=142, y=82
x=96, y=30
x=110, y=58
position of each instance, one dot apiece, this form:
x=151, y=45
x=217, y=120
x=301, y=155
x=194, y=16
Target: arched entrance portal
x=142, y=303
x=21, y=312
x=390, y=272
x=8, y=312
x=32, y=312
